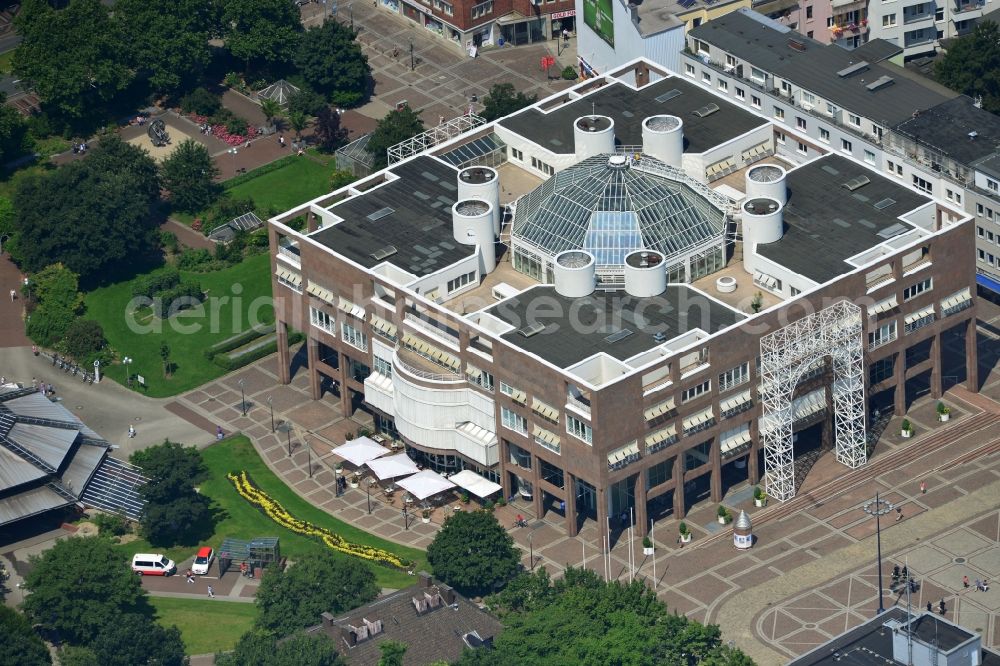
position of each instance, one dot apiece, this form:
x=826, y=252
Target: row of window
x=348, y=333
x=987, y=212
x=574, y=426
x=461, y=281
x=988, y=258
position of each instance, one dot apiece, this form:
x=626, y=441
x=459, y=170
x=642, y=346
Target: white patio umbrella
x=475, y=484
x=425, y=484
x=392, y=466
x=359, y=451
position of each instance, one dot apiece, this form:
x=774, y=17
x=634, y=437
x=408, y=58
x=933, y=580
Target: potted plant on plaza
x=465, y=498
x=759, y=497
x=355, y=480
x=906, y=429
x=724, y=515
x=684, y=532
x=339, y=468
x=501, y=502
x=943, y=412
x=647, y=546
x=425, y=516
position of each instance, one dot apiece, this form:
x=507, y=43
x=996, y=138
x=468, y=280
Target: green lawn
x=243, y=521
x=189, y=332
x=298, y=181
x=207, y=626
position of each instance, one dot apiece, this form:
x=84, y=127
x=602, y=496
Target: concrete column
x=284, y=358
x=311, y=224
x=826, y=437
x=641, y=514
x=679, y=486
x=602, y=514
x=899, y=377
x=570, y=481
x=345, y=392
x=971, y=357
x=753, y=472
x=936, y=387
x=312, y=348
x=536, y=486
x=641, y=75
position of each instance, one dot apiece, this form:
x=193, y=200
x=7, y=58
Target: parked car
x=202, y=561
x=153, y=564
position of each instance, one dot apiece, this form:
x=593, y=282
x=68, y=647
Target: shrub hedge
x=151, y=285
x=238, y=340
x=256, y=351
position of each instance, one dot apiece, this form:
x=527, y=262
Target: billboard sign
x=599, y=17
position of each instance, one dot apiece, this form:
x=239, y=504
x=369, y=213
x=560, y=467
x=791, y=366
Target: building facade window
x=881, y=370
x=869, y=156
x=513, y=421
x=779, y=113
x=882, y=335
x=322, y=320
x=803, y=148
x=740, y=93
x=824, y=135
x=353, y=336
x=854, y=120
x=482, y=9
x=922, y=185
x=697, y=456
x=915, y=290
x=461, y=281
x=888, y=20
x=689, y=69
x=755, y=101
x=579, y=429
x=800, y=122
x=733, y=377
x=516, y=154
x=382, y=366
x=695, y=391
x=542, y=166
x=846, y=146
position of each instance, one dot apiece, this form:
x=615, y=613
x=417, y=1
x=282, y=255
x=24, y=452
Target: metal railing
x=424, y=374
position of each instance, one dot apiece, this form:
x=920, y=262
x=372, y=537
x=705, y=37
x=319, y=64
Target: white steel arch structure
x=788, y=354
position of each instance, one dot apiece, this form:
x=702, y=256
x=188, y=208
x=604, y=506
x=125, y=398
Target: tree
x=398, y=125
x=8, y=241
x=972, y=65
x=298, y=121
x=582, y=619
x=90, y=215
x=261, y=648
x=261, y=30
x=138, y=639
x=473, y=552
x=55, y=289
x=174, y=512
x=329, y=132
x=320, y=582
x=20, y=644
x=169, y=41
x=80, y=586
x=330, y=59
x=392, y=653
x=14, y=138
x=165, y=357
x=72, y=655
x=306, y=101
x=71, y=57
x=84, y=339
x=189, y=176
x=503, y=100
x=271, y=110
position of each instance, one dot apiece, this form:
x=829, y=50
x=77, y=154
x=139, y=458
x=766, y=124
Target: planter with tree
x=425, y=516
x=339, y=469
x=684, y=532
x=906, y=429
x=355, y=481
x=647, y=546
x=759, y=497
x=724, y=516
x=943, y=412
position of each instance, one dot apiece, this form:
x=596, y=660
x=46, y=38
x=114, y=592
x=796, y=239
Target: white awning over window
x=288, y=275
x=956, y=299
x=631, y=449
x=734, y=401
x=661, y=435
x=697, y=419
x=321, y=293
x=351, y=308
x=545, y=435
x=519, y=396
x=755, y=151
x=765, y=280
x=383, y=325
x=549, y=412
x=884, y=305
x=919, y=314
x=733, y=438
x=659, y=409
x=809, y=404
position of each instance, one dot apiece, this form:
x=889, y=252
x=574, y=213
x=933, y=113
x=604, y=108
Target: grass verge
x=187, y=334
x=207, y=626
x=243, y=521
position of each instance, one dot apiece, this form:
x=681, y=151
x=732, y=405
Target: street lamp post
x=126, y=362
x=406, y=518
x=878, y=507
x=412, y=66
x=243, y=397
x=286, y=428
x=531, y=551
x=270, y=406
x=368, y=491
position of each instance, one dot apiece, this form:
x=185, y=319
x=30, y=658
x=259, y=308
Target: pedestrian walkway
x=11, y=312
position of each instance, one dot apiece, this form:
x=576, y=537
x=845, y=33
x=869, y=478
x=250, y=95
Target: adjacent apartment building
x=860, y=104
x=645, y=299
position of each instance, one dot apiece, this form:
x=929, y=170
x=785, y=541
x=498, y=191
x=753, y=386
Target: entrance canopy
x=360, y=451
x=474, y=483
x=393, y=466
x=425, y=484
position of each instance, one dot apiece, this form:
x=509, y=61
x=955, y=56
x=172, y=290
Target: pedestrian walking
x=923, y=487
x=965, y=582
x=899, y=513
x=13, y=294
x=930, y=607
x=131, y=431
x=979, y=585
x=34, y=382
x=189, y=575
x=941, y=606
x=219, y=435
x=211, y=593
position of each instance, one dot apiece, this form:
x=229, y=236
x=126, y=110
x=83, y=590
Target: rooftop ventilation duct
x=645, y=274
x=593, y=135
x=575, y=273
x=472, y=224
x=663, y=139
x=762, y=223
x=766, y=180
x=479, y=182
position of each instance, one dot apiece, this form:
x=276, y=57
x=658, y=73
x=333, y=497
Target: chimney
x=347, y=633
x=327, y=619
x=447, y=593
x=425, y=579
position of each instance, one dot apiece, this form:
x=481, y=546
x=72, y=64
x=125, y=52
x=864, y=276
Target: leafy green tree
x=14, y=138
x=473, y=552
x=168, y=41
x=261, y=648
x=72, y=57
x=73, y=655
x=138, y=639
x=91, y=215
x=972, y=65
x=55, y=289
x=174, y=512
x=306, y=101
x=329, y=132
x=261, y=30
x=271, y=110
x=189, y=176
x=503, y=100
x=84, y=339
x=20, y=644
x=398, y=125
x=298, y=122
x=165, y=357
x=330, y=59
x=80, y=586
x=293, y=599
x=392, y=653
x=8, y=240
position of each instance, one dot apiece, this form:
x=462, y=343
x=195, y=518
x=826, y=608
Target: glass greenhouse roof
x=611, y=209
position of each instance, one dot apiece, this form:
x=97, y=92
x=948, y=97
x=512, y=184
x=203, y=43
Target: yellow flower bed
x=273, y=510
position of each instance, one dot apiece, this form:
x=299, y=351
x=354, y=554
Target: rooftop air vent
x=797, y=45
x=973, y=134
x=383, y=252
x=380, y=213
x=472, y=207
x=660, y=336
x=880, y=82
x=531, y=329
x=617, y=336
x=853, y=69
x=883, y=204
x=667, y=96
x=856, y=183
x=706, y=110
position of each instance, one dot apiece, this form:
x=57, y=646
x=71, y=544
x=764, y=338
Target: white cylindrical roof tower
x=479, y=182
x=645, y=273
x=762, y=223
x=593, y=135
x=472, y=224
x=767, y=180
x=575, y=273
x=663, y=138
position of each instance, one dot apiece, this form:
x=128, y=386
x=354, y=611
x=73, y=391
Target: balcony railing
x=916, y=18
x=918, y=324
x=964, y=305
x=659, y=446
x=623, y=463
x=410, y=367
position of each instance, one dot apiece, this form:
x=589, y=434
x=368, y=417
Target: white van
x=146, y=564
